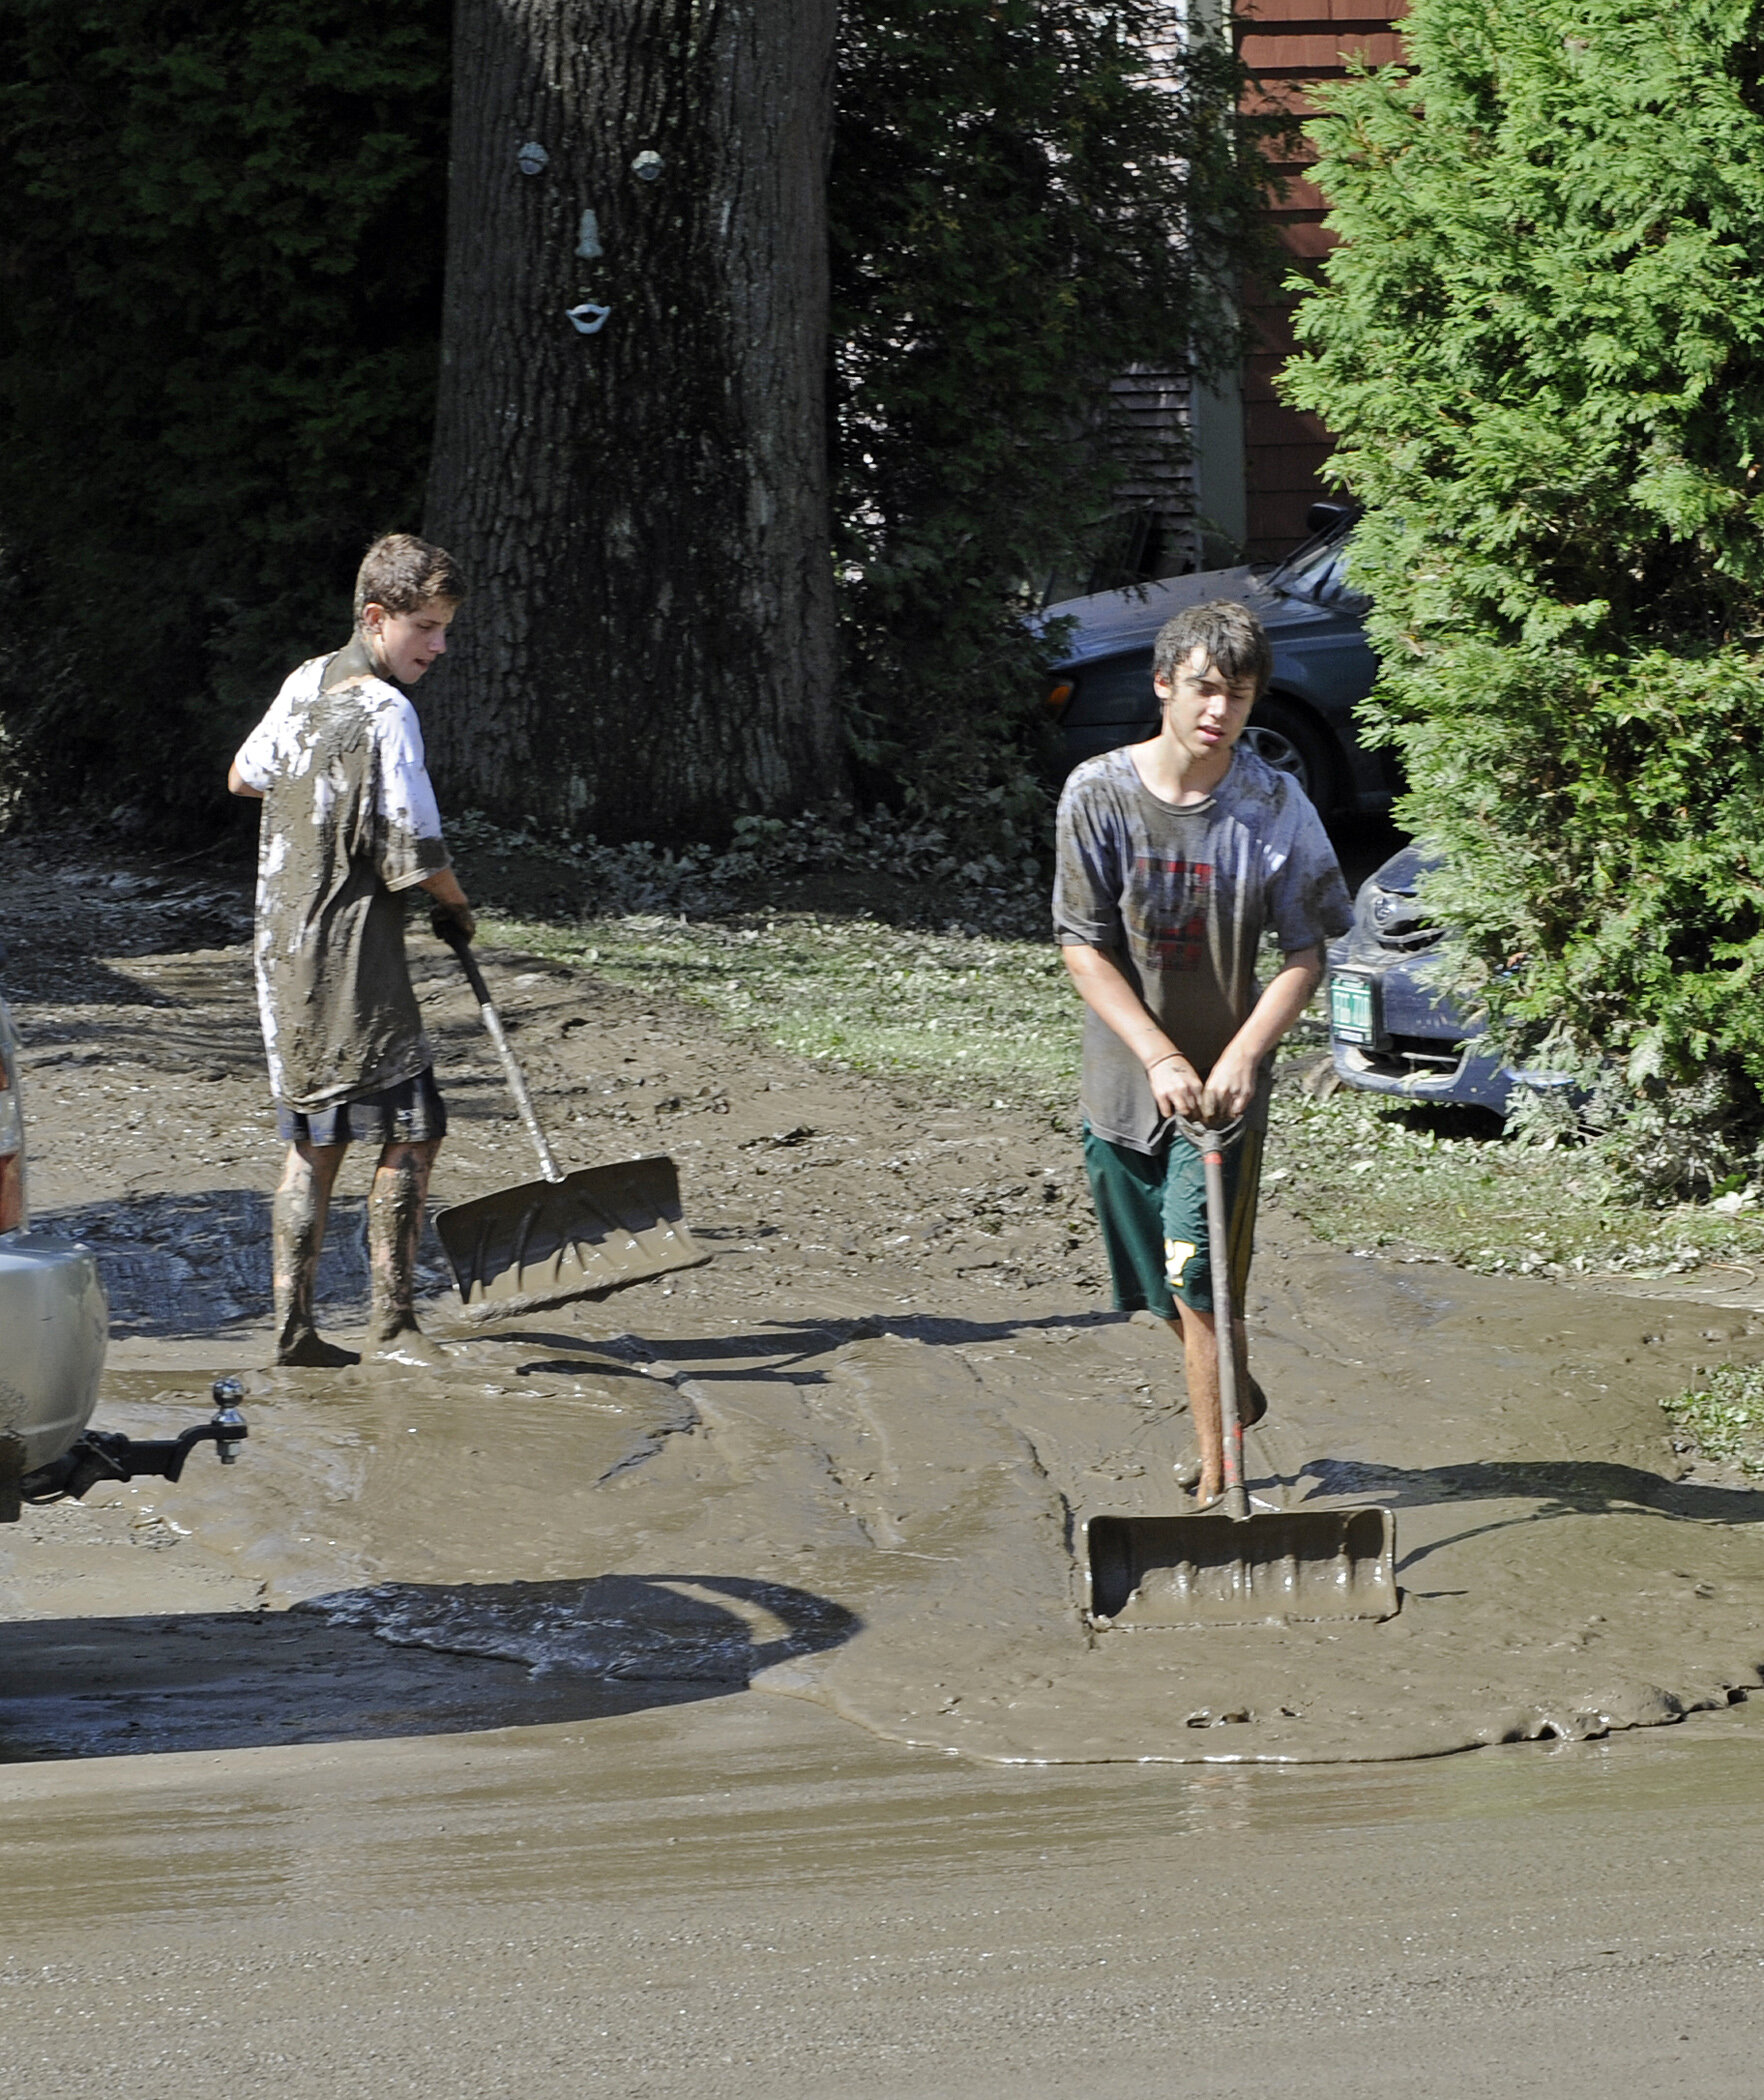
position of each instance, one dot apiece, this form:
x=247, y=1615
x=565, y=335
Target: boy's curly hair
x=401, y=572
x=1236, y=642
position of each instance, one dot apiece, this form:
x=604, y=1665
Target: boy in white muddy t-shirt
x=349, y=824
x=1175, y=857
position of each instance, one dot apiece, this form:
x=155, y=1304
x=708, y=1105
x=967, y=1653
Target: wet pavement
x=746, y=1897
x=690, y=1693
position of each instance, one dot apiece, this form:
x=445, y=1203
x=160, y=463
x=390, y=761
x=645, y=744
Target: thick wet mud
x=850, y=1461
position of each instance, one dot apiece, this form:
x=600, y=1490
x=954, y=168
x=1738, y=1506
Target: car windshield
x=1317, y=571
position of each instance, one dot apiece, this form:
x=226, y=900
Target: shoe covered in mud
x=1188, y=1472
x=309, y=1351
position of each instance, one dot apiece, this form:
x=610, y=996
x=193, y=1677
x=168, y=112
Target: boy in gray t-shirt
x=1175, y=857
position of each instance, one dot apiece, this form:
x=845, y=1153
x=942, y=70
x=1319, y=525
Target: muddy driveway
x=773, y=1564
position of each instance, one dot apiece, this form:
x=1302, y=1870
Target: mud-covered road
x=687, y=1694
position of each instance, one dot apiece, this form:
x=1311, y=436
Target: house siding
x=1292, y=46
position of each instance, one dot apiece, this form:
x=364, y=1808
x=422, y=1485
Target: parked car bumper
x=1477, y=1080
x=1391, y=1029
x=1391, y=1032
x=54, y=1315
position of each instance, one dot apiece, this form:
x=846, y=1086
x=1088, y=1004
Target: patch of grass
x=1726, y=1417
x=983, y=1017
x=1377, y=1176
x=978, y=1015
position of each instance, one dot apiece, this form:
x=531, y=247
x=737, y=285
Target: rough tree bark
x=642, y=510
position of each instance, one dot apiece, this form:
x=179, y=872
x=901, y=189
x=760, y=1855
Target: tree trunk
x=641, y=510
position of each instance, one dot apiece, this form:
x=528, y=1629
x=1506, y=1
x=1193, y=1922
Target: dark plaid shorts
x=410, y=1113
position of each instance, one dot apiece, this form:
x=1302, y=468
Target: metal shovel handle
x=1212, y=1146
x=455, y=938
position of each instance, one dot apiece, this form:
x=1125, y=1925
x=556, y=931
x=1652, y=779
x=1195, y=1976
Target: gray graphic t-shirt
x=1180, y=898
x=349, y=820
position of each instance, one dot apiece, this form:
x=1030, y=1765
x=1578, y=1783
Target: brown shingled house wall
x=1289, y=45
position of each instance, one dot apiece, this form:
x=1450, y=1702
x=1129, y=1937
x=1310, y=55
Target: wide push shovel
x=1228, y=1567
x=569, y=1236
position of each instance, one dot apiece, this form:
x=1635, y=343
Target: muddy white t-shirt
x=349, y=821
x=1180, y=899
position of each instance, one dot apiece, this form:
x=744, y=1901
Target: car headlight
x=1395, y=919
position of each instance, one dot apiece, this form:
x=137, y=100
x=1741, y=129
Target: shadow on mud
x=52, y=971
x=400, y=1659
x=195, y=1263
x=1557, y=1488
x=198, y=1263
x=794, y=1341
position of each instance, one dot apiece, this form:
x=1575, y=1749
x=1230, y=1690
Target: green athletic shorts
x=1152, y=1208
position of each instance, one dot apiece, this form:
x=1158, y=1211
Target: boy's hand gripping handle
x=454, y=936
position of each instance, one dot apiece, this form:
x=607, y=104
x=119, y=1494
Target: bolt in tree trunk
x=630, y=454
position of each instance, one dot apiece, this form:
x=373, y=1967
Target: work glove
x=450, y=921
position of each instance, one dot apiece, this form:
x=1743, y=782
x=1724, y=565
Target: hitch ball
x=228, y=1424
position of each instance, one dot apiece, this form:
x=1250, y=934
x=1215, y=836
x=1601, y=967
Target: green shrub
x=1012, y=185
x=1542, y=344
x=222, y=256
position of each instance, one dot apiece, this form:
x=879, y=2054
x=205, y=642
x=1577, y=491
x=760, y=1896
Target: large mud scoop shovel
x=1229, y=1567
x=569, y=1236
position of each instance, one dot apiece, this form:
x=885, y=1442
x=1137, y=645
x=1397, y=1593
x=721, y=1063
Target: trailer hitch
x=106, y=1454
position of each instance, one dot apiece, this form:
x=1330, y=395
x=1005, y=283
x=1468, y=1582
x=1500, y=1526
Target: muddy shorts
x=410, y=1113
x=1152, y=1207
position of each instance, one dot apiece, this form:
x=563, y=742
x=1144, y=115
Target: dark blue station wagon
x=1323, y=665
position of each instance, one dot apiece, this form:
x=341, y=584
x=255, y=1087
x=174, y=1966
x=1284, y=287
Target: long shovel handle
x=455, y=938
x=1211, y=1145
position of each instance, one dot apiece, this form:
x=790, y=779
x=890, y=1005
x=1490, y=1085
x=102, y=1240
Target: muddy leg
x=395, y=1225
x=302, y=1202
x=1200, y=1362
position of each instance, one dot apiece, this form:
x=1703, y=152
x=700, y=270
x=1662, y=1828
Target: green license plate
x=1353, y=1009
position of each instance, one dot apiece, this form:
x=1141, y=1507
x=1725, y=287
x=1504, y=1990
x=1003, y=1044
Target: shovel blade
x=546, y=1242
x=1263, y=1570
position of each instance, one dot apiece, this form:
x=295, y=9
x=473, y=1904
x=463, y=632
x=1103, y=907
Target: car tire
x=1287, y=738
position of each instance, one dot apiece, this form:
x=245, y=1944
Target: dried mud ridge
x=846, y=1462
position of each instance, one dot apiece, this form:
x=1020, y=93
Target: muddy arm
x=450, y=904
x=1175, y=1084
x=1231, y=1084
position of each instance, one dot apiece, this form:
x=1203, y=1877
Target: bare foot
x=1188, y=1473
x=309, y=1351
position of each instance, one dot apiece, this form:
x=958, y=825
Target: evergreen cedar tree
x=1541, y=342
x=223, y=250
